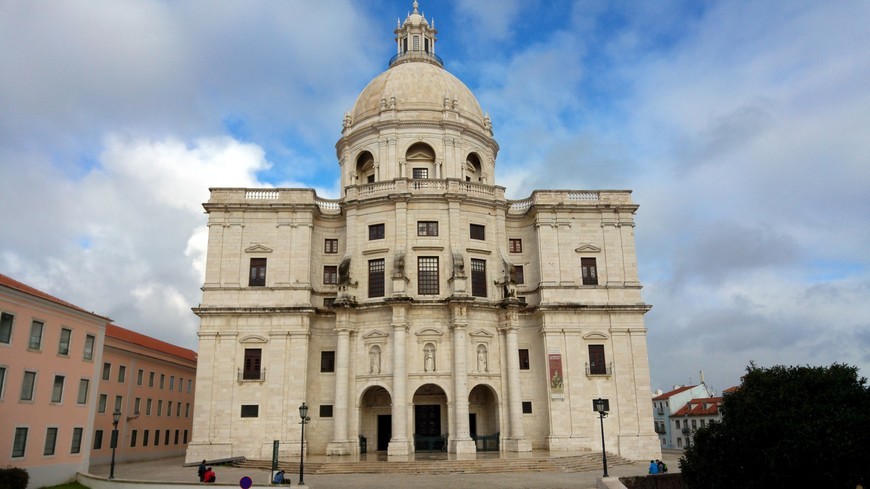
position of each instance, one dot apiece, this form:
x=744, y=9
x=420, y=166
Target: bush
x=14, y=478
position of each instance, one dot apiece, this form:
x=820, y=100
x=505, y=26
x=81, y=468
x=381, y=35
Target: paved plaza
x=172, y=470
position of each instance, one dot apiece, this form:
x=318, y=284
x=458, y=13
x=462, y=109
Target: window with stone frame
x=519, y=274
x=35, y=342
x=376, y=231
x=427, y=228
x=524, y=358
x=478, y=277
x=326, y=410
x=419, y=173
x=376, y=277
x=327, y=361
x=427, y=275
x=330, y=274
x=6, y=321
x=253, y=362
x=477, y=231
x=597, y=364
x=257, y=277
x=515, y=245
x=63, y=346
x=589, y=271
x=527, y=407
x=330, y=245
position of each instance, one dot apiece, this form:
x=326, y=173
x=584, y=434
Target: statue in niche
x=344, y=272
x=375, y=360
x=481, y=359
x=458, y=265
x=510, y=280
x=399, y=265
x=429, y=358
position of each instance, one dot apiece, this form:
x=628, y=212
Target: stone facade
x=422, y=310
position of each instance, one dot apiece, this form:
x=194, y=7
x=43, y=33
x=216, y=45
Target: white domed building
x=422, y=310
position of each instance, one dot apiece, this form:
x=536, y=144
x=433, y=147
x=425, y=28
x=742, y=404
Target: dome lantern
x=415, y=40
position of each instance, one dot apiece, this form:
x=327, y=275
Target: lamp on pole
x=602, y=406
x=116, y=416
x=303, y=413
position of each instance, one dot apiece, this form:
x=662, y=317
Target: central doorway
x=385, y=431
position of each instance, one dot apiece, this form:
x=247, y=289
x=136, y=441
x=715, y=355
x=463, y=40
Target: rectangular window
x=478, y=231
x=527, y=407
x=515, y=245
x=76, y=445
x=2, y=381
x=156, y=438
x=330, y=245
x=107, y=371
x=50, y=441
x=250, y=411
x=187, y=410
x=133, y=438
x=101, y=407
x=328, y=301
x=376, y=231
x=89, y=347
x=139, y=376
x=253, y=359
x=257, y=276
x=159, y=407
x=420, y=173
x=189, y=385
x=98, y=439
x=27, y=385
x=524, y=359
x=596, y=360
x=148, y=403
x=145, y=434
x=57, y=389
x=416, y=43
x=35, y=342
x=327, y=361
x=176, y=437
x=180, y=384
x=150, y=379
x=19, y=444
x=63, y=347
x=165, y=437
x=427, y=228
x=171, y=382
x=137, y=403
x=330, y=274
x=178, y=409
x=122, y=373
x=427, y=275
x=519, y=274
x=119, y=401
x=169, y=408
x=6, y=327
x=376, y=277
x=84, y=385
x=185, y=437
x=326, y=410
x=478, y=277
x=370, y=179
x=589, y=271
x=162, y=381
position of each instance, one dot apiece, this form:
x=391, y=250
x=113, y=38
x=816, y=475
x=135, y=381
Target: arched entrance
x=430, y=419
x=375, y=419
x=483, y=422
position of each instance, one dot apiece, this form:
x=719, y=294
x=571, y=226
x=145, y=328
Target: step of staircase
x=574, y=463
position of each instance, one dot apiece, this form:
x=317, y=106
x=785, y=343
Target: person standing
x=201, y=471
x=653, y=467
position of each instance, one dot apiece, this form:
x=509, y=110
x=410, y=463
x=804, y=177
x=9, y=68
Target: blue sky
x=741, y=128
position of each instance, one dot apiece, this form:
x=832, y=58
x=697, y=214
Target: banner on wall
x=557, y=381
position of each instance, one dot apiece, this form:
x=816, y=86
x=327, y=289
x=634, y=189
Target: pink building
x=152, y=384
x=51, y=352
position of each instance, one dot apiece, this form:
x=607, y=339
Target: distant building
x=665, y=404
x=50, y=355
x=423, y=309
x=696, y=413
x=152, y=384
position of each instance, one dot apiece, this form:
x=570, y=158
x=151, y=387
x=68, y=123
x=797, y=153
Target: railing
x=415, y=55
x=261, y=195
x=477, y=188
x=421, y=184
x=486, y=443
x=251, y=375
x=430, y=443
x=598, y=371
x=328, y=206
x=585, y=196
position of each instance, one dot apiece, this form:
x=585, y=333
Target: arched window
x=365, y=168
x=420, y=158
x=473, y=169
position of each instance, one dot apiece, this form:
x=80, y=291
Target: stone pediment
x=595, y=336
x=480, y=333
x=252, y=338
x=258, y=248
x=429, y=333
x=588, y=248
x=375, y=335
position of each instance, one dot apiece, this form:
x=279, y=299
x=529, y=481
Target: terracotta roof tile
x=22, y=287
x=667, y=395
x=123, y=334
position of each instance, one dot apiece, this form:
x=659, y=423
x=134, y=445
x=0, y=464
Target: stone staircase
x=573, y=463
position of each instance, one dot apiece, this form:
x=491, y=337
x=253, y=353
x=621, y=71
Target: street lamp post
x=303, y=413
x=602, y=406
x=116, y=416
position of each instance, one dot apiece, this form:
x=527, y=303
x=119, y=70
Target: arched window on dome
x=420, y=158
x=473, y=169
x=365, y=168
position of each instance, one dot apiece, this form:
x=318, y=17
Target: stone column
x=460, y=442
x=399, y=446
x=340, y=445
x=516, y=441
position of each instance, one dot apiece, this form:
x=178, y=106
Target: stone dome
x=416, y=86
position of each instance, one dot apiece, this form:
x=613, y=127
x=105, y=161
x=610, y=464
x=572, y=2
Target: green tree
x=786, y=427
